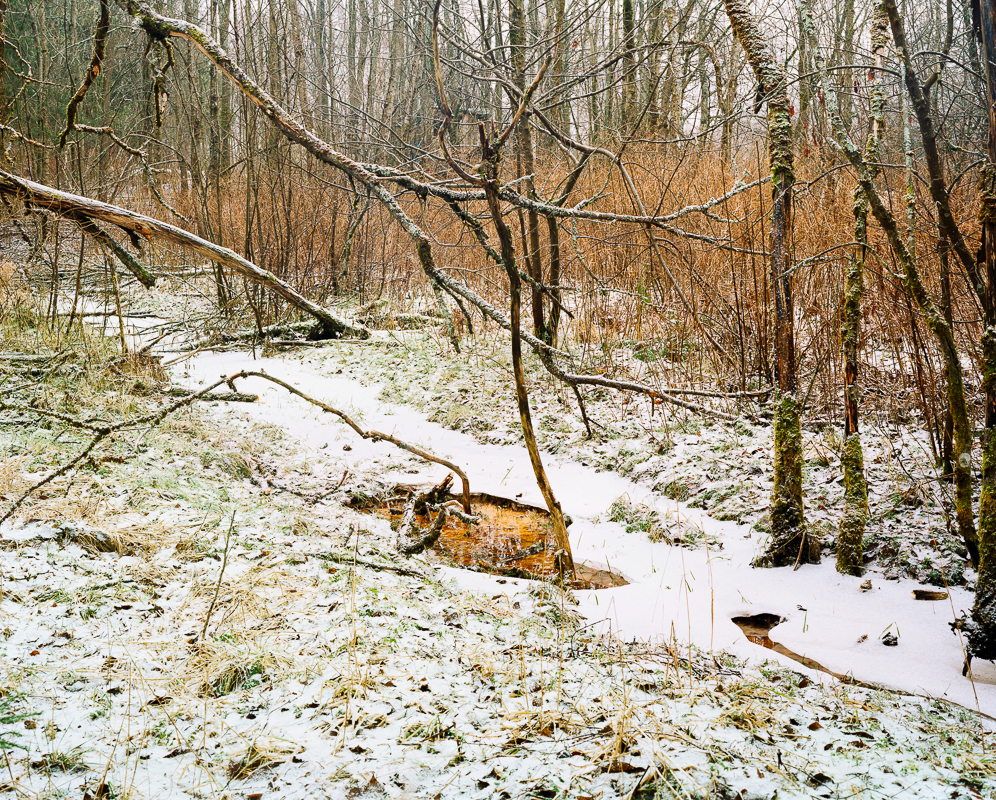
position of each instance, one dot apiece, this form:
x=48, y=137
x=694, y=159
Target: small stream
x=757, y=628
x=667, y=589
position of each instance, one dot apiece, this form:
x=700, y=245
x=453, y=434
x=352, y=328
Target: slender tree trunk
x=628, y=108
x=524, y=138
x=490, y=165
x=913, y=284
x=729, y=97
x=802, y=124
x=850, y=538
x=4, y=159
x=981, y=632
x=790, y=543
x=963, y=441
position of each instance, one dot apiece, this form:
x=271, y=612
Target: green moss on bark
x=980, y=631
x=790, y=543
x=850, y=537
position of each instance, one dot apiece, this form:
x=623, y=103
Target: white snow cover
x=674, y=593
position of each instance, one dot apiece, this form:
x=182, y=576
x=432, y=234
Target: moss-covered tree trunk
x=850, y=536
x=981, y=633
x=790, y=543
x=962, y=429
x=914, y=285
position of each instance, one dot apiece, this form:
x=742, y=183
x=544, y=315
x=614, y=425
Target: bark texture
x=850, y=536
x=981, y=633
x=790, y=543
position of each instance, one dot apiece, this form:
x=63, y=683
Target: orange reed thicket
x=620, y=290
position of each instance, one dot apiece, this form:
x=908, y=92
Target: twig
x=221, y=574
x=350, y=560
x=371, y=435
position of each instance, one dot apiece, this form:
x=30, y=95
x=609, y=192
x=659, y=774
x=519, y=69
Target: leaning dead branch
x=374, y=436
x=99, y=431
x=71, y=205
x=103, y=431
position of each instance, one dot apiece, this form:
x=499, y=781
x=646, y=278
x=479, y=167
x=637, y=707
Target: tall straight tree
x=524, y=139
x=790, y=543
x=850, y=539
x=981, y=631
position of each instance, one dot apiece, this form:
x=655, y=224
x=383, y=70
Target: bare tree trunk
x=850, y=538
x=491, y=159
x=981, y=632
x=790, y=543
x=917, y=291
x=4, y=158
x=212, y=187
x=628, y=106
x=729, y=98
x=802, y=124
x=524, y=138
x=949, y=228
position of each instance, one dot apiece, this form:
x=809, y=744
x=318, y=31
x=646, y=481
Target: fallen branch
x=329, y=342
x=227, y=397
x=409, y=524
x=73, y=206
x=371, y=435
x=100, y=431
x=426, y=541
x=349, y=560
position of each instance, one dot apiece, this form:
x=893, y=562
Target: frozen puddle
x=673, y=593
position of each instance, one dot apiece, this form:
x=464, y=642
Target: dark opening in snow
x=757, y=627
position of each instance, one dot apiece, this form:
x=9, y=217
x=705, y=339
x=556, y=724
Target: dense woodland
x=785, y=210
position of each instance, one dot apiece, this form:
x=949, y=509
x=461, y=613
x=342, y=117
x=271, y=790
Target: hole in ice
x=757, y=627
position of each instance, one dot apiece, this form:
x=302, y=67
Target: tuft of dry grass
x=261, y=753
x=12, y=481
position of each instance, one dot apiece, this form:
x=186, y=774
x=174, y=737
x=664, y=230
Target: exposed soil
x=511, y=539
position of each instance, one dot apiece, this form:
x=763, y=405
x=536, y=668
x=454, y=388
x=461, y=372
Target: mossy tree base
x=850, y=536
x=980, y=630
x=790, y=542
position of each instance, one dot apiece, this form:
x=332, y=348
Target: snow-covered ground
x=182, y=630
x=673, y=592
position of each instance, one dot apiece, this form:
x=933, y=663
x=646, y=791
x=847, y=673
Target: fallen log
x=73, y=206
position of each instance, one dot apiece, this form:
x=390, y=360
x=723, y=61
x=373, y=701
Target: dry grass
x=623, y=298
x=12, y=480
x=626, y=302
x=261, y=753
